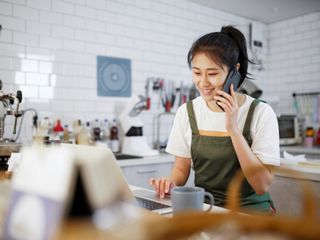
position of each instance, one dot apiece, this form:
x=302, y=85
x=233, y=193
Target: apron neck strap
x=247, y=125
x=192, y=119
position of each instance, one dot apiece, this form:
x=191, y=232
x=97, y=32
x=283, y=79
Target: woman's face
x=207, y=76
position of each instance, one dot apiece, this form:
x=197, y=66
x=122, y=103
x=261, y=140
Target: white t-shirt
x=264, y=129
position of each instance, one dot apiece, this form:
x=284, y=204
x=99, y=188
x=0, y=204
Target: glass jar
x=318, y=137
x=309, y=137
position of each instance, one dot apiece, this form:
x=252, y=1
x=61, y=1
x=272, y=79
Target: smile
x=206, y=91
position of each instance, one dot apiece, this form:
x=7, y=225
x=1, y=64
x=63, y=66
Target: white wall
x=48, y=49
x=294, y=59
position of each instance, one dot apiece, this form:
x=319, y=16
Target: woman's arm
x=181, y=170
x=260, y=180
x=179, y=176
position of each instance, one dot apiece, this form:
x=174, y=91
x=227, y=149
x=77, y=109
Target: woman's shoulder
x=196, y=102
x=261, y=107
x=182, y=111
x=263, y=113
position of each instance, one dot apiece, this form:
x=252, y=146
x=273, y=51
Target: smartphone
x=233, y=78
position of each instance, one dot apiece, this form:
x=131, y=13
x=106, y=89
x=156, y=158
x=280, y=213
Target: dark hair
x=227, y=47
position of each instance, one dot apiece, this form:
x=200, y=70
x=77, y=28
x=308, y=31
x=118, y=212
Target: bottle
x=96, y=131
x=83, y=137
x=66, y=135
x=309, y=137
x=88, y=129
x=114, y=138
x=318, y=137
x=58, y=130
x=45, y=127
x=105, y=130
x=77, y=127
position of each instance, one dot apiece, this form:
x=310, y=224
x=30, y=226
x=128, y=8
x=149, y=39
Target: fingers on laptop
x=155, y=184
x=151, y=182
x=168, y=186
x=163, y=182
x=161, y=186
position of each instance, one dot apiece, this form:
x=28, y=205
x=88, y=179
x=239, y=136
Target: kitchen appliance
x=256, y=40
x=7, y=146
x=134, y=142
x=10, y=106
x=290, y=129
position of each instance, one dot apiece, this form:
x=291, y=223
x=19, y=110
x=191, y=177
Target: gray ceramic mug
x=189, y=199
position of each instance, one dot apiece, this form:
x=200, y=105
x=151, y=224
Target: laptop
x=69, y=179
x=105, y=183
x=148, y=199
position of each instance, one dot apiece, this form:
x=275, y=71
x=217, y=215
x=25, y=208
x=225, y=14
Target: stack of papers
x=299, y=160
x=292, y=159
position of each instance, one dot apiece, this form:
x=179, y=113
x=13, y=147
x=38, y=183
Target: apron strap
x=247, y=125
x=192, y=119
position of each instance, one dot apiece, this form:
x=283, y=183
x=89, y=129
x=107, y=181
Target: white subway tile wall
x=294, y=59
x=48, y=49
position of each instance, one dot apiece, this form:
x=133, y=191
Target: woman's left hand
x=230, y=105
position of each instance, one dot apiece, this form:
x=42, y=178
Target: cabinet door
x=140, y=175
x=293, y=191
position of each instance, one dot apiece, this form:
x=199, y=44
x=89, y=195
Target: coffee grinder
x=134, y=142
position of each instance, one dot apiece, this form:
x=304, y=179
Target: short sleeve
x=179, y=142
x=265, y=135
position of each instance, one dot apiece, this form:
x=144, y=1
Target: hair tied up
x=240, y=42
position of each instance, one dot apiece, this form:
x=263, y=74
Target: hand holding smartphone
x=233, y=78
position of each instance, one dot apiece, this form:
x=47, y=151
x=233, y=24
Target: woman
x=220, y=132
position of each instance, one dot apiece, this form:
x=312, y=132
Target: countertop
x=157, y=159
x=309, y=166
x=167, y=158
x=308, y=171
x=300, y=149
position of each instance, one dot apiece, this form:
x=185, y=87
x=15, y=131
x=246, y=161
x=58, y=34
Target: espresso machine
x=9, y=106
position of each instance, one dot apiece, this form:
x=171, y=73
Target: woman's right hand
x=162, y=186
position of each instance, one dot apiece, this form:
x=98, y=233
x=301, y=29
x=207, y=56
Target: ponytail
x=240, y=41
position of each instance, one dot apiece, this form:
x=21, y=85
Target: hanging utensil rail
x=305, y=94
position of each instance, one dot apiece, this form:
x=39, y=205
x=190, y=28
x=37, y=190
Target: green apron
x=215, y=163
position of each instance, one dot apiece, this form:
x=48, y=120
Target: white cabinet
x=139, y=175
x=293, y=193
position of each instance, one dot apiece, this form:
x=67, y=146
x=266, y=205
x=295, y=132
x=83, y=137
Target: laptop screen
x=103, y=180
